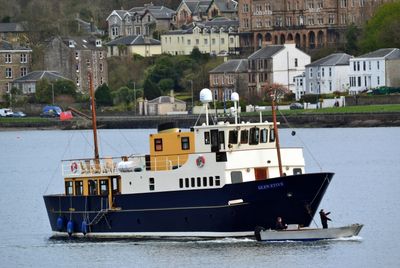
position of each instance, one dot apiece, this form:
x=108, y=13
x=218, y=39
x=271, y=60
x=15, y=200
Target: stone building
x=73, y=57
x=140, y=21
x=230, y=76
x=13, y=32
x=15, y=61
x=310, y=24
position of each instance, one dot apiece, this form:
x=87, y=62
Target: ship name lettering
x=270, y=186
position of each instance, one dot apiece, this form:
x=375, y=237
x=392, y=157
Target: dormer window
x=71, y=43
x=98, y=43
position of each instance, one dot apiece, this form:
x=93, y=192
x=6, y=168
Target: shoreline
x=389, y=119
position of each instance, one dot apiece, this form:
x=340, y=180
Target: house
x=275, y=64
x=300, y=85
x=328, y=74
x=15, y=61
x=74, y=57
x=145, y=20
x=13, y=33
x=162, y=105
x=190, y=11
x=27, y=83
x=134, y=44
x=88, y=27
x=375, y=69
x=229, y=77
x=218, y=36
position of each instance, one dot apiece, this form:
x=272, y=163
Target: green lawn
x=340, y=110
x=23, y=119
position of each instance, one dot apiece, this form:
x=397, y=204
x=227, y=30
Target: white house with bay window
x=328, y=74
x=375, y=69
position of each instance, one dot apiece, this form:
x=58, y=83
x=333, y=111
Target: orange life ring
x=200, y=161
x=74, y=167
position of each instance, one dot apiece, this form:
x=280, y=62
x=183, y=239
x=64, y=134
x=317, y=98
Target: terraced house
x=15, y=61
x=311, y=24
x=145, y=20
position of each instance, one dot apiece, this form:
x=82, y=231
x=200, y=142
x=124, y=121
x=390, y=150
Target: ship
x=212, y=180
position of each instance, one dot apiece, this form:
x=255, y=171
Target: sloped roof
x=387, y=53
x=120, y=13
x=37, y=75
x=266, y=52
x=226, y=6
x=4, y=45
x=133, y=40
x=11, y=27
x=82, y=42
x=195, y=5
x=165, y=99
x=158, y=12
x=231, y=66
x=332, y=60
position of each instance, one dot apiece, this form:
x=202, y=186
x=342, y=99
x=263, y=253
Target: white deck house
x=328, y=74
x=375, y=69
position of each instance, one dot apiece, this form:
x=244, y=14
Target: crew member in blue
x=324, y=218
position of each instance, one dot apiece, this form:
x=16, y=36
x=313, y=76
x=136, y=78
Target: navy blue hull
x=295, y=198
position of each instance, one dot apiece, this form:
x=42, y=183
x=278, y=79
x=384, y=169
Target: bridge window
x=244, y=136
x=185, y=143
x=204, y=181
x=192, y=182
x=206, y=137
x=104, y=187
x=68, y=188
x=158, y=144
x=78, y=187
x=233, y=137
x=217, y=181
x=297, y=171
x=264, y=135
x=272, y=135
x=187, y=182
x=198, y=181
x=211, y=181
x=180, y=183
x=92, y=187
x=254, y=135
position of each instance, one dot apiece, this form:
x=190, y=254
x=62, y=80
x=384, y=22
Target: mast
x=278, y=149
x=93, y=109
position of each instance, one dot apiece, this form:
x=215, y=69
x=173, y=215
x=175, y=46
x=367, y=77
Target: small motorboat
x=293, y=232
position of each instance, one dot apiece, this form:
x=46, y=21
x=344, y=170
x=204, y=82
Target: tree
x=43, y=91
x=383, y=29
x=166, y=84
x=151, y=90
x=103, y=96
x=352, y=36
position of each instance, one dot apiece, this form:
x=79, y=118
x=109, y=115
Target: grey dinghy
x=307, y=233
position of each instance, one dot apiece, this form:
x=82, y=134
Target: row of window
x=197, y=41
x=9, y=72
x=100, y=55
x=94, y=187
x=8, y=58
x=252, y=136
x=158, y=144
x=357, y=81
x=199, y=182
x=358, y=65
x=321, y=72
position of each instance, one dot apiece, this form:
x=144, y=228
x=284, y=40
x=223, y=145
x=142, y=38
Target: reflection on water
x=364, y=190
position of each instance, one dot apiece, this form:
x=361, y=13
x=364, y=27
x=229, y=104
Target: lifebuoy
x=74, y=167
x=200, y=161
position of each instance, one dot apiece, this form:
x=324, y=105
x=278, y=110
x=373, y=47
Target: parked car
x=18, y=114
x=6, y=112
x=51, y=111
x=223, y=53
x=296, y=105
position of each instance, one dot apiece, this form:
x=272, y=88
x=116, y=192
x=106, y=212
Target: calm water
x=365, y=189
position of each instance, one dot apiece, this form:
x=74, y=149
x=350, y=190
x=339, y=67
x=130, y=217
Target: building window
x=222, y=41
x=24, y=58
x=8, y=73
x=158, y=145
x=213, y=41
x=330, y=85
x=377, y=65
x=331, y=19
x=323, y=72
x=8, y=58
x=296, y=62
x=23, y=71
x=378, y=80
x=311, y=73
x=245, y=8
x=330, y=71
x=101, y=54
x=114, y=31
x=189, y=42
x=205, y=41
x=101, y=67
x=197, y=41
x=185, y=143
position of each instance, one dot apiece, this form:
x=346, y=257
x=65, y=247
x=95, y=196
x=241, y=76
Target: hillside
x=57, y=17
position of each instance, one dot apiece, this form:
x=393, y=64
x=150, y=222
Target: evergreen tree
x=151, y=90
x=103, y=96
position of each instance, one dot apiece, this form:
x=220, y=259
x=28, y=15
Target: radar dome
x=235, y=96
x=205, y=95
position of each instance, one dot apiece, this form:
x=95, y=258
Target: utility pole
x=134, y=95
x=191, y=83
x=52, y=92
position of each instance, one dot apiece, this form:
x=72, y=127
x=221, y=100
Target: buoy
x=60, y=223
x=293, y=133
x=84, y=228
x=70, y=227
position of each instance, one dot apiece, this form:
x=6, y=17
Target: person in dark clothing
x=279, y=224
x=324, y=218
